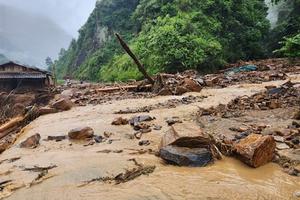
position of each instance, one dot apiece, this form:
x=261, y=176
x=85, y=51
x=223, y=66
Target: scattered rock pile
x=284, y=96
x=16, y=104
x=266, y=70
x=172, y=103
x=169, y=84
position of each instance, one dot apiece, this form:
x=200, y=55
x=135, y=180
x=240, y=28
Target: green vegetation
x=172, y=36
x=288, y=23
x=291, y=47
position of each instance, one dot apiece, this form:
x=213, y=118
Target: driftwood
x=10, y=126
x=136, y=60
x=129, y=87
x=14, y=126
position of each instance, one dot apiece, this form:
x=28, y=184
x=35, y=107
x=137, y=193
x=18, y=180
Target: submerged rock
x=31, y=142
x=182, y=156
x=256, y=150
x=81, y=133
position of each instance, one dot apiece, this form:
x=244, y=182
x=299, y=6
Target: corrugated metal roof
x=18, y=75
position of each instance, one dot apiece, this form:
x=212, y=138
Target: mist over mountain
x=29, y=38
x=33, y=30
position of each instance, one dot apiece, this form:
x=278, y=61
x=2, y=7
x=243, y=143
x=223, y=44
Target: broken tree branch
x=136, y=60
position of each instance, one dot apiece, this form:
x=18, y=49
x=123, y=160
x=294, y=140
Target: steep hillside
x=167, y=35
x=29, y=38
x=96, y=44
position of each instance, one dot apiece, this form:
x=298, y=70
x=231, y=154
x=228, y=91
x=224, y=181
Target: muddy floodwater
x=77, y=163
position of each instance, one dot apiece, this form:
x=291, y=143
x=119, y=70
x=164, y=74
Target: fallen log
x=11, y=128
x=136, y=60
x=129, y=88
x=256, y=150
x=7, y=127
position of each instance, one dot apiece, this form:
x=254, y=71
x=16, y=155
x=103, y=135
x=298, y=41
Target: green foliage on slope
x=167, y=35
x=291, y=47
x=288, y=24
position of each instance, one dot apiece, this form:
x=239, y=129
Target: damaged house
x=14, y=76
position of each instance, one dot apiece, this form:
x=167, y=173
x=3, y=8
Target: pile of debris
x=172, y=103
x=287, y=95
x=12, y=105
x=95, y=94
x=252, y=72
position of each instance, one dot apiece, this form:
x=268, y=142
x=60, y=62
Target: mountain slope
x=167, y=35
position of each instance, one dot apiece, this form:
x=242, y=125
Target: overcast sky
x=69, y=14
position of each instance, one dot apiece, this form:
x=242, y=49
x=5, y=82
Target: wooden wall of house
x=15, y=68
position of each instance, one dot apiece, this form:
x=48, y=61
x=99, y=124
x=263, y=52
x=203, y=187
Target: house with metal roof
x=15, y=76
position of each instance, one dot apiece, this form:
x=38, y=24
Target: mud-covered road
x=77, y=163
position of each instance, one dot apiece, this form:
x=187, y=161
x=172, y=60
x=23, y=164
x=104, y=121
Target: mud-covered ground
x=71, y=164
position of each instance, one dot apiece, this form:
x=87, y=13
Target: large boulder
x=186, y=145
x=191, y=85
x=256, y=150
x=63, y=104
x=182, y=156
x=31, y=142
x=81, y=133
x=185, y=135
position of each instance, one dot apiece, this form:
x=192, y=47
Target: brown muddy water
x=226, y=179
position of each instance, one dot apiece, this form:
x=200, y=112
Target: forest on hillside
x=176, y=35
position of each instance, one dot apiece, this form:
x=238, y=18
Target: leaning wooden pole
x=136, y=60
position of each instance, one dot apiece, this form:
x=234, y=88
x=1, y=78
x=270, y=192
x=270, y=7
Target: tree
x=49, y=63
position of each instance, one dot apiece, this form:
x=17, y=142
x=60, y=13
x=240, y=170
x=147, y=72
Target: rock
x=255, y=150
x=297, y=194
x=98, y=138
x=144, y=143
x=67, y=94
x=47, y=110
x=157, y=127
x=297, y=115
x=141, y=126
x=173, y=120
x=279, y=139
x=181, y=90
x=185, y=135
x=291, y=155
x=31, y=142
x=191, y=85
x=120, y=121
x=273, y=104
x=81, y=133
x=296, y=124
x=282, y=146
x=165, y=92
x=211, y=81
x=56, y=138
x=63, y=104
x=143, y=118
x=182, y=156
